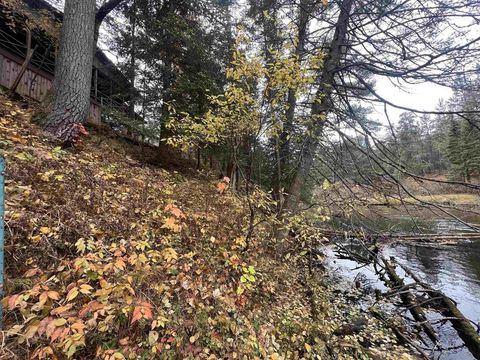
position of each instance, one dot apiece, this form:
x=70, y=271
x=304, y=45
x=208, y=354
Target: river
x=453, y=269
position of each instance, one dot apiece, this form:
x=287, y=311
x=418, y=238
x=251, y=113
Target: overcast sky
x=424, y=96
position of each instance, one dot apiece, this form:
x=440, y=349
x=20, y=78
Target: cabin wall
x=35, y=83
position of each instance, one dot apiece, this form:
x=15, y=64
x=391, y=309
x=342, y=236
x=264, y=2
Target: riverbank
x=106, y=262
x=423, y=199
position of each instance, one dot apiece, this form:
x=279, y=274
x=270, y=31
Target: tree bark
x=73, y=71
x=284, y=137
x=322, y=104
x=133, y=59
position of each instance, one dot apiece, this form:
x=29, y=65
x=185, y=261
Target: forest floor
x=109, y=257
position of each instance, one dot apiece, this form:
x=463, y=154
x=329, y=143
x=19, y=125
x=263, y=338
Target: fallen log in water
x=410, y=301
x=437, y=237
x=460, y=323
x=404, y=237
x=464, y=235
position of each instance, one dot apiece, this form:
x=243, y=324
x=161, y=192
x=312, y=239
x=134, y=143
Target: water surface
x=453, y=269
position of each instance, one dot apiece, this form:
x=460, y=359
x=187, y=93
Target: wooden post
x=28, y=57
x=95, y=83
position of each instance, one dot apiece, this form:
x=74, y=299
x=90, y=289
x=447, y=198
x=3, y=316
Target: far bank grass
x=442, y=199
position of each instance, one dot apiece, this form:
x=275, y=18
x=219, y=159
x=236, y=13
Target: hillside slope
x=110, y=258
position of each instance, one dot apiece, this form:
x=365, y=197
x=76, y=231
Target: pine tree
x=456, y=151
x=471, y=148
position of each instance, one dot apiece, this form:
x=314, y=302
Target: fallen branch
x=400, y=335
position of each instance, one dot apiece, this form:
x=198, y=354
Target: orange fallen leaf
x=175, y=211
x=221, y=187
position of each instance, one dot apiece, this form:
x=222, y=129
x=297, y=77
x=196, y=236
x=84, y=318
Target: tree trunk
x=28, y=58
x=322, y=104
x=272, y=42
x=73, y=71
x=133, y=58
x=284, y=138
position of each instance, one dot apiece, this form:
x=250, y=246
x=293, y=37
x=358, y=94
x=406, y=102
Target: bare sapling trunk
x=322, y=105
x=284, y=151
x=73, y=72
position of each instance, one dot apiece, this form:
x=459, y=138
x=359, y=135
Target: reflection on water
x=390, y=221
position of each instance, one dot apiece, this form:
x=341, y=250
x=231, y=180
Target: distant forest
x=443, y=142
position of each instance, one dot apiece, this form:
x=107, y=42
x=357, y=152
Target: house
x=29, y=32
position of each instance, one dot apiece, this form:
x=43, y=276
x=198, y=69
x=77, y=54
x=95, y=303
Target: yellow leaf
x=326, y=184
x=152, y=337
x=60, y=322
x=45, y=230
x=32, y=329
x=85, y=289
x=171, y=223
x=80, y=244
x=53, y=295
x=194, y=338
x=169, y=254
x=308, y=347
x=72, y=294
x=36, y=238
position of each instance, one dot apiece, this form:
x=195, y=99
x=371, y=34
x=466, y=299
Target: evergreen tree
x=409, y=144
x=176, y=52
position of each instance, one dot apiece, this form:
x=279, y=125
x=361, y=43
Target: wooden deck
x=35, y=83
